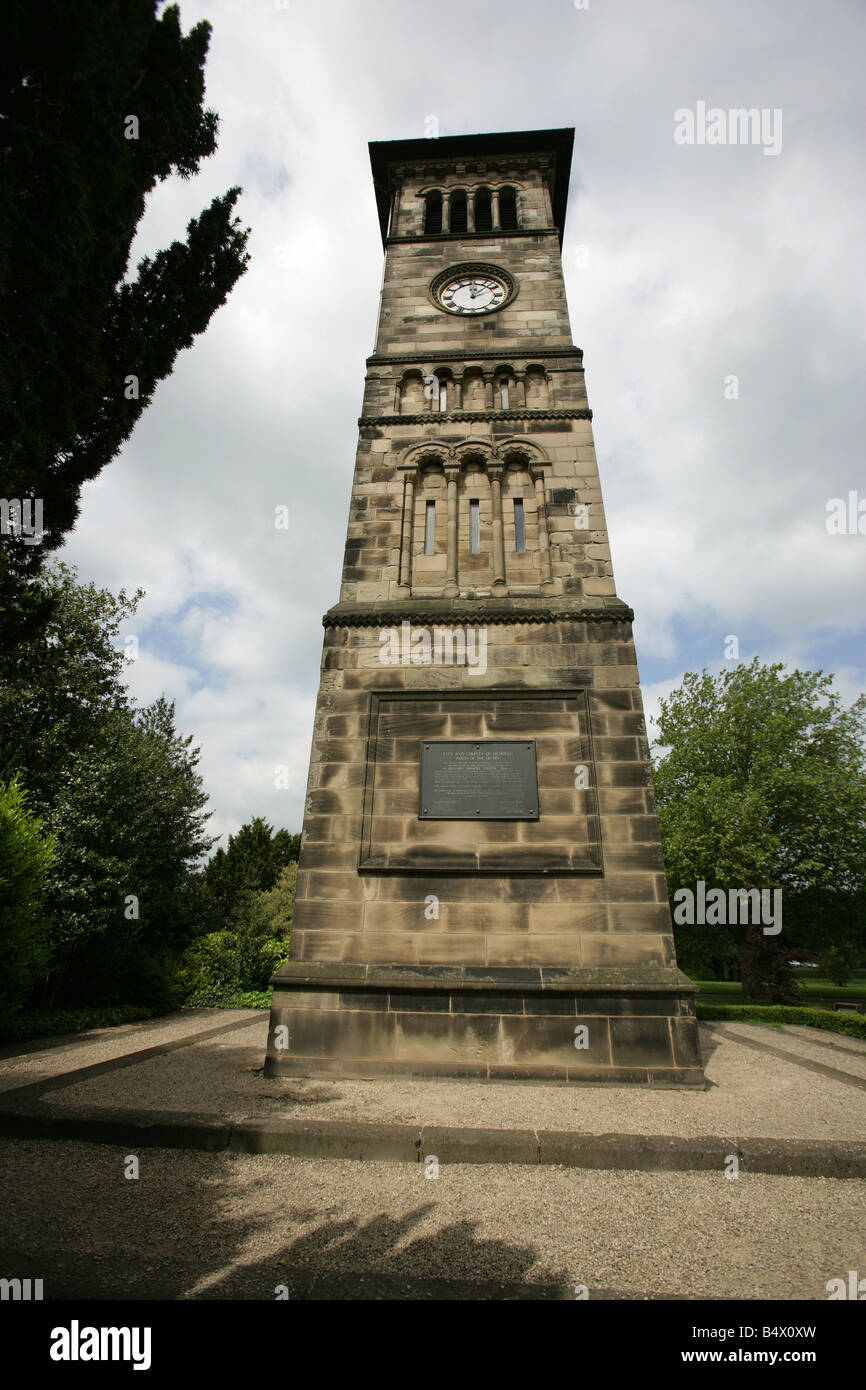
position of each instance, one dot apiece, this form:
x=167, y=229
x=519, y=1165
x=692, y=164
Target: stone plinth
x=625, y=1025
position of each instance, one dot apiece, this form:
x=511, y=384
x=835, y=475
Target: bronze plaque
x=490, y=779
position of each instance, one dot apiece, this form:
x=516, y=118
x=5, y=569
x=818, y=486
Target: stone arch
x=470, y=450
x=473, y=389
x=422, y=456
x=537, y=387
x=410, y=393
x=458, y=211
x=508, y=208
x=504, y=387
x=433, y=212
x=483, y=210
x=517, y=449
x=445, y=398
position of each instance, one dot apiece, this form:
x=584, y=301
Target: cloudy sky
x=686, y=265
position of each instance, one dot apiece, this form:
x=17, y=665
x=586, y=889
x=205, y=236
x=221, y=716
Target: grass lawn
x=810, y=985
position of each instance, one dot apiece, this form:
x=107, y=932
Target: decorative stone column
x=494, y=473
x=519, y=391
x=410, y=475
x=547, y=583
x=452, y=473
x=488, y=390
x=470, y=211
x=494, y=208
x=446, y=210
x=458, y=393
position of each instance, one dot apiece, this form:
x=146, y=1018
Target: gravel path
x=753, y=1090
x=34, y=1063
x=200, y=1225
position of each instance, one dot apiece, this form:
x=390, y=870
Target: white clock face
x=472, y=294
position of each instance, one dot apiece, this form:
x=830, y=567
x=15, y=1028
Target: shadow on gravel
x=70, y=1218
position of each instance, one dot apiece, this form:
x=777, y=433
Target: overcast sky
x=685, y=265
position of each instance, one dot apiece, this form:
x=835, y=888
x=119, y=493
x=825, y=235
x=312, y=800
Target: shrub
x=26, y=854
x=852, y=1025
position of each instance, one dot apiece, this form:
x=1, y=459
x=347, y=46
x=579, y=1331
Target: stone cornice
x=416, y=237
x=461, y=416
x=547, y=979
x=461, y=611
x=378, y=359
x=499, y=166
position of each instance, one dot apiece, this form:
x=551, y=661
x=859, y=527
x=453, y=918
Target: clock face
x=472, y=294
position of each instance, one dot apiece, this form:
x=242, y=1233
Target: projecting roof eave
x=383, y=153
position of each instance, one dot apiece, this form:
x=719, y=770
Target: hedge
x=45, y=1023
x=215, y=997
x=853, y=1025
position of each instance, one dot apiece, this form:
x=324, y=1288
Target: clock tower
x=481, y=889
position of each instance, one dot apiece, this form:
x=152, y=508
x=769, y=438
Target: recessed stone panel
x=395, y=837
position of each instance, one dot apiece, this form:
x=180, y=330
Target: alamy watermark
x=22, y=518
x=737, y=126
x=846, y=518
x=438, y=646
x=737, y=907
x=855, y=1288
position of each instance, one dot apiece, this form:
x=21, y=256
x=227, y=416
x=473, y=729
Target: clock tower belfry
x=481, y=889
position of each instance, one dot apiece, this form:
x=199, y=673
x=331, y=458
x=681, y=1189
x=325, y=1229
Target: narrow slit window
x=519, y=525
x=483, y=211
x=503, y=389
x=430, y=528
x=433, y=213
x=508, y=210
x=474, y=528
x=459, y=215
x=443, y=395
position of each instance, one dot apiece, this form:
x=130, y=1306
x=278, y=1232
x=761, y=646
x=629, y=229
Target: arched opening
x=433, y=213
x=473, y=390
x=444, y=397
x=412, y=394
x=459, y=216
x=483, y=211
x=508, y=210
x=537, y=392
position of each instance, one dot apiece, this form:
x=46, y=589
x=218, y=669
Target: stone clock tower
x=481, y=889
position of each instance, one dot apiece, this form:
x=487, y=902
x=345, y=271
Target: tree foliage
x=98, y=104
x=119, y=791
x=26, y=855
x=250, y=864
x=244, y=956
x=762, y=783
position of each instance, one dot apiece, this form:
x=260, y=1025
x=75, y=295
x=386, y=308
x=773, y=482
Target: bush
x=852, y=1025
x=242, y=957
x=26, y=854
x=22, y=1024
x=226, y=998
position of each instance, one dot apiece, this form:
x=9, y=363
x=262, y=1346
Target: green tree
x=98, y=104
x=118, y=788
x=128, y=815
x=250, y=863
x=762, y=784
x=244, y=956
x=26, y=855
x=55, y=690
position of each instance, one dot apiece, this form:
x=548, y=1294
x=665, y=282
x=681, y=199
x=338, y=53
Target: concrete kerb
x=342, y=1139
